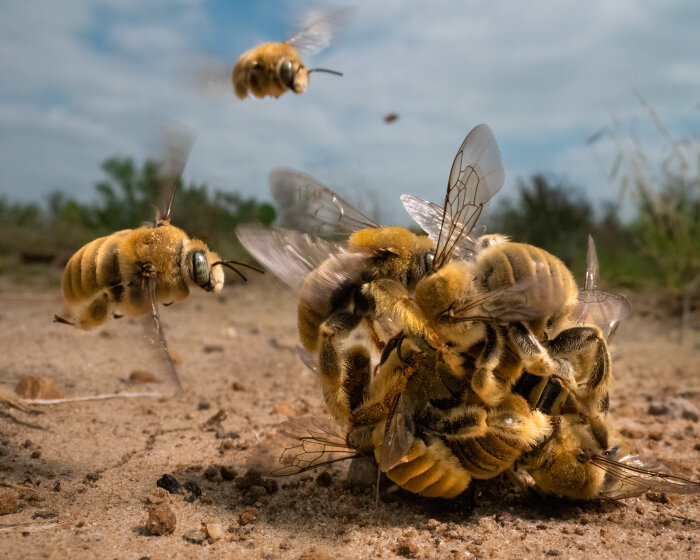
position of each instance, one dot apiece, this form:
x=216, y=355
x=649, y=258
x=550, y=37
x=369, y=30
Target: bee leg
x=62, y=321
x=587, y=352
x=529, y=492
x=95, y=313
x=378, y=342
x=484, y=382
x=534, y=355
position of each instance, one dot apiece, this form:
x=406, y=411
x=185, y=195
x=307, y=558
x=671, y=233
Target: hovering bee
x=130, y=271
x=275, y=68
x=373, y=276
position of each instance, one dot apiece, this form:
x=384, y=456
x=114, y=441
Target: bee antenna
x=326, y=70
x=229, y=264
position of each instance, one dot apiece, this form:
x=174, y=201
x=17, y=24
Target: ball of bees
x=275, y=68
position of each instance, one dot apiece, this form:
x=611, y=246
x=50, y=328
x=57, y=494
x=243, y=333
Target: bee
x=130, y=271
x=275, y=68
x=373, y=275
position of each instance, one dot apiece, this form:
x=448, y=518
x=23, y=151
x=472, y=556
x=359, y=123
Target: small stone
x=31, y=387
x=656, y=436
x=504, y=518
x=407, y=548
x=249, y=479
x=658, y=408
x=35, y=454
x=211, y=348
x=657, y=497
x=158, y=496
x=552, y=553
x=236, y=386
x=169, y=483
x=213, y=473
x=143, y=376
x=248, y=516
x=324, y=480
x=697, y=447
x=175, y=357
x=161, y=520
x=228, y=473
x=8, y=503
x=194, y=491
x=204, y=405
x=45, y=514
x=195, y=536
x=283, y=409
x=215, y=531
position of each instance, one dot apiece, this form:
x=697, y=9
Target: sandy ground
x=82, y=479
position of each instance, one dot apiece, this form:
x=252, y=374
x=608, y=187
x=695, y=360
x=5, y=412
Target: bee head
x=293, y=74
x=199, y=267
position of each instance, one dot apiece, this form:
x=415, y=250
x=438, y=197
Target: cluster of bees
x=447, y=357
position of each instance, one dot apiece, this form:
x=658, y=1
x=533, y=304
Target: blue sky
x=88, y=79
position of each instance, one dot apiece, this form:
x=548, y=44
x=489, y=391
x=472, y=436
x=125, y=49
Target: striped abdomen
x=93, y=267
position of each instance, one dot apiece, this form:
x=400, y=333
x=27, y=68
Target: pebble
x=248, y=516
x=236, y=386
x=324, y=479
x=169, y=483
x=211, y=348
x=196, y=536
x=283, y=409
x=8, y=503
x=407, y=548
x=204, y=405
x=213, y=473
x=31, y=387
x=215, y=531
x=161, y=520
x=194, y=491
x=158, y=496
x=143, y=376
x=228, y=473
x=503, y=517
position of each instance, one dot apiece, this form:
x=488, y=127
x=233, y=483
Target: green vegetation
x=34, y=234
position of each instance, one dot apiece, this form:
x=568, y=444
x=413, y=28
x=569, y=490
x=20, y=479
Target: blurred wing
x=429, y=217
x=476, y=176
x=177, y=144
x=533, y=297
x=604, y=309
x=628, y=478
x=398, y=438
x=300, y=445
x=592, y=271
x=309, y=359
x=308, y=205
x=317, y=29
x=154, y=330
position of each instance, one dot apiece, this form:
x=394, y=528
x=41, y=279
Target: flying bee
x=373, y=275
x=275, y=68
x=130, y=271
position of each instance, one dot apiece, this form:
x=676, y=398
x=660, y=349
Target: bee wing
x=476, y=176
x=429, y=217
x=177, y=144
x=398, y=437
x=604, y=309
x=300, y=445
x=628, y=477
x=592, y=271
x=308, y=205
x=291, y=255
x=532, y=297
x=317, y=29
x=154, y=332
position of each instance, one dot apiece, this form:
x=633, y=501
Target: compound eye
x=286, y=74
x=201, y=269
x=429, y=258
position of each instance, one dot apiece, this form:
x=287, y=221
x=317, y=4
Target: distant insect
x=275, y=68
x=130, y=271
x=374, y=276
x=391, y=117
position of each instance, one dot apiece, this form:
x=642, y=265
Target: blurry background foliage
x=656, y=250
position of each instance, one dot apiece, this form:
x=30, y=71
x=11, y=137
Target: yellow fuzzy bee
x=275, y=68
x=130, y=271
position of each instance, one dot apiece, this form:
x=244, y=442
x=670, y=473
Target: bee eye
x=429, y=258
x=200, y=268
x=286, y=74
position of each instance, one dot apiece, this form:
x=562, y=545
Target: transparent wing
x=476, y=176
x=154, y=330
x=308, y=205
x=398, y=437
x=429, y=217
x=177, y=144
x=291, y=255
x=300, y=445
x=533, y=297
x=596, y=306
x=628, y=477
x=317, y=29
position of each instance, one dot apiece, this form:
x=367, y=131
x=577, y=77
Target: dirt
x=94, y=464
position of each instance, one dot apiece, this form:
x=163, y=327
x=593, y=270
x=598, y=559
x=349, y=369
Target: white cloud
x=537, y=73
